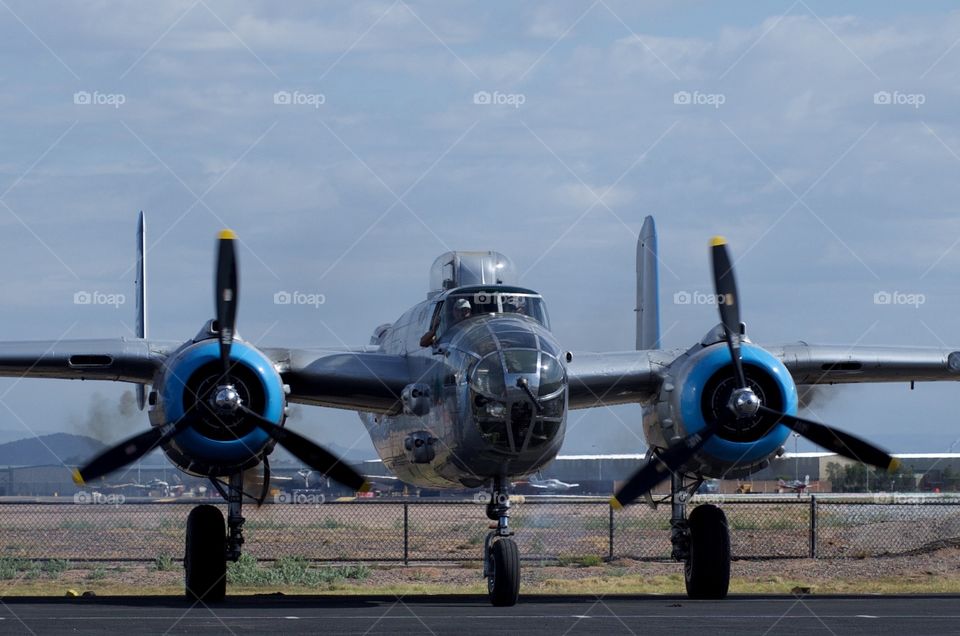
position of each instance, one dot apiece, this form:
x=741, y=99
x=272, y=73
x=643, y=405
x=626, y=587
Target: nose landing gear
x=501, y=559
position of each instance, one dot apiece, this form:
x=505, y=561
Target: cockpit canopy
x=469, y=302
x=458, y=269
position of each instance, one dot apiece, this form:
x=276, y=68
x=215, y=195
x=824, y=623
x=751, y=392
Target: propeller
x=838, y=441
x=725, y=286
x=660, y=467
x=226, y=290
x=226, y=294
x=128, y=451
x=311, y=454
x=744, y=403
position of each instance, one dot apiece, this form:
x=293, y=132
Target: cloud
x=798, y=111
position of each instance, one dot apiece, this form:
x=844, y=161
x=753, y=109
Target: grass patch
x=584, y=561
x=12, y=568
x=329, y=523
x=164, y=563
x=293, y=571
x=55, y=567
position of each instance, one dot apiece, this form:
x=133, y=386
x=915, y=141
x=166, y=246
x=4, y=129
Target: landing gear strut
x=501, y=559
x=209, y=545
x=701, y=542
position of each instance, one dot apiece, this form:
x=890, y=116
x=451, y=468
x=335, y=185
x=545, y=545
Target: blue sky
x=827, y=194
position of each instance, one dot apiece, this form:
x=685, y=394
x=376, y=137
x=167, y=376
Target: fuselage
x=496, y=383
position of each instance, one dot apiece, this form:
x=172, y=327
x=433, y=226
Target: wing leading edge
x=838, y=364
x=115, y=359
x=604, y=379
x=359, y=380
x=622, y=377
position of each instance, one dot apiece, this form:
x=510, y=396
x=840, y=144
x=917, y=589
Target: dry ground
x=937, y=571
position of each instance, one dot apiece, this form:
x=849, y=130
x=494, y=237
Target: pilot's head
x=462, y=309
x=514, y=305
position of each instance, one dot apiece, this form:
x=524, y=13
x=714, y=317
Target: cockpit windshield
x=459, y=307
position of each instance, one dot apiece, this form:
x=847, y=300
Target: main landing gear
x=701, y=542
x=210, y=544
x=501, y=559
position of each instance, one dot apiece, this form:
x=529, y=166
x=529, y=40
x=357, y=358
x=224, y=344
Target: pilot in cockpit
x=462, y=310
x=514, y=305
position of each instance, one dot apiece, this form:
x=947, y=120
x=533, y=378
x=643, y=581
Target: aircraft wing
x=117, y=359
x=623, y=377
x=360, y=380
x=838, y=364
x=597, y=379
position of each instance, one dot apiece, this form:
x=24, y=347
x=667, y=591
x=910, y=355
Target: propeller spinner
x=225, y=399
x=744, y=403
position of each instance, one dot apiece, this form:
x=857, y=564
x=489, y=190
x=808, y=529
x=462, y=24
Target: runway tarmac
x=468, y=615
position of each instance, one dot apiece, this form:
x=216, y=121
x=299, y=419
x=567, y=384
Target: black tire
x=205, y=559
x=707, y=570
x=503, y=582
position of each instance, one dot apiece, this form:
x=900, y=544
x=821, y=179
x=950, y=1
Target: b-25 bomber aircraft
x=469, y=388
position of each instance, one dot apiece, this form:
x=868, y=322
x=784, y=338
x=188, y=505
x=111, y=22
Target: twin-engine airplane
x=470, y=389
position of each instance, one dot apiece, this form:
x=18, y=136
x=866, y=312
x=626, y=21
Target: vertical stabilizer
x=648, y=288
x=141, y=291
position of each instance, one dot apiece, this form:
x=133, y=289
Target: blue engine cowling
x=217, y=446
x=696, y=391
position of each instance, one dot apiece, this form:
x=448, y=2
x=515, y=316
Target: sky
x=350, y=143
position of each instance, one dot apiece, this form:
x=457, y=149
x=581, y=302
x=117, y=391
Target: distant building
x=594, y=474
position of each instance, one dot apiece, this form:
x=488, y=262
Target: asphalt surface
x=466, y=615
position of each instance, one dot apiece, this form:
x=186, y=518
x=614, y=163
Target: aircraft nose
x=518, y=388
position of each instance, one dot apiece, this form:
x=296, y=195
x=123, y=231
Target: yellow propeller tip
x=717, y=241
x=365, y=487
x=615, y=504
x=227, y=235
x=894, y=465
x=77, y=477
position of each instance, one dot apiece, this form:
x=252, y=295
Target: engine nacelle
x=222, y=443
x=696, y=391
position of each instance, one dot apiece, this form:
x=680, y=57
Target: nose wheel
x=503, y=573
x=501, y=558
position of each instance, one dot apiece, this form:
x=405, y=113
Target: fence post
x=406, y=533
x=813, y=526
x=610, y=542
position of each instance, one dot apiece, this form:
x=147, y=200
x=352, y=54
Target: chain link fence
x=383, y=530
